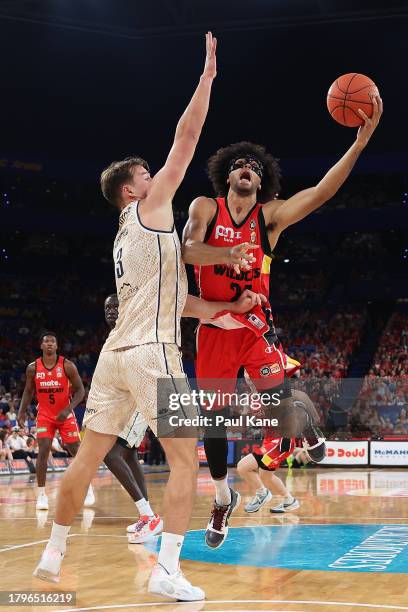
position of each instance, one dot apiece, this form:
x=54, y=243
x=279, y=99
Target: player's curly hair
x=218, y=167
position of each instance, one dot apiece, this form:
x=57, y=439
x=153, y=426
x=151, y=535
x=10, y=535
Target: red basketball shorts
x=48, y=425
x=221, y=353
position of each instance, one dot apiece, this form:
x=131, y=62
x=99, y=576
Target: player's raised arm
x=303, y=203
x=168, y=179
x=194, y=249
x=27, y=394
x=77, y=387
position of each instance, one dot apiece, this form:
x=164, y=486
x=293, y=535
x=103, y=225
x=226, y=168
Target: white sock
x=222, y=492
x=58, y=537
x=289, y=498
x=41, y=491
x=261, y=491
x=144, y=507
x=170, y=550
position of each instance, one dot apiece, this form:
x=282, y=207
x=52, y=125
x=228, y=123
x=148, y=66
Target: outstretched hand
x=210, y=68
x=370, y=123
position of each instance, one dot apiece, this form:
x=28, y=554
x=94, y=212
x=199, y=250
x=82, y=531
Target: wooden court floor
x=296, y=562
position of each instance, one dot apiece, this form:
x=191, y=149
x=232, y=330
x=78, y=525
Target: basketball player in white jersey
x=151, y=286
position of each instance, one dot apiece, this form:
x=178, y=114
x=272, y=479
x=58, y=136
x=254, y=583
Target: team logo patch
x=252, y=225
x=265, y=371
x=253, y=237
x=59, y=372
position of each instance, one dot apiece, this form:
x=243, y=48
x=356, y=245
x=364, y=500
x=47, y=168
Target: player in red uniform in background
x=271, y=454
x=59, y=389
x=231, y=239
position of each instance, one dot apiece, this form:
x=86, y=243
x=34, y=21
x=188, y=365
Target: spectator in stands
x=5, y=452
x=18, y=446
x=57, y=450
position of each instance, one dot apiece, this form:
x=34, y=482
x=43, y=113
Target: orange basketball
x=347, y=94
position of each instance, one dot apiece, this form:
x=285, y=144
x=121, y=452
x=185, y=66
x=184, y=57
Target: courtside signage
x=389, y=453
x=346, y=453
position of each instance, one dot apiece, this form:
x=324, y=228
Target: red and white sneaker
x=145, y=529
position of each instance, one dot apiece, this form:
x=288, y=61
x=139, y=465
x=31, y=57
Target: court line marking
x=240, y=601
x=8, y=547
x=361, y=518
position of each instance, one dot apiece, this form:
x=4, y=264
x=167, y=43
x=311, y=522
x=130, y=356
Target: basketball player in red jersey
x=59, y=389
x=231, y=239
x=268, y=457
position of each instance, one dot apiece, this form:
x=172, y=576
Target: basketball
x=347, y=94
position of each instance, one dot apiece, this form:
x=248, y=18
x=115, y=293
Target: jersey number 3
x=118, y=265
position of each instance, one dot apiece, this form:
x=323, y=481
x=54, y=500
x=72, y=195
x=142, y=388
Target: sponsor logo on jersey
x=40, y=375
x=253, y=237
x=41, y=430
x=270, y=349
x=273, y=368
x=252, y=225
x=49, y=383
x=90, y=410
x=227, y=233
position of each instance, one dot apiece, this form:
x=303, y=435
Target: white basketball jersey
x=151, y=284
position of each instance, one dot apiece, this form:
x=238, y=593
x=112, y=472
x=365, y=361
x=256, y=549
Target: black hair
x=218, y=169
x=47, y=333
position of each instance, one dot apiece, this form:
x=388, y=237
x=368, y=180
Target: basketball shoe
x=175, y=586
x=258, y=501
x=50, y=564
x=145, y=529
x=90, y=497
x=285, y=507
x=42, y=502
x=217, y=528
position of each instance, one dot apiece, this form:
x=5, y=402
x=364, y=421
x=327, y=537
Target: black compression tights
x=216, y=449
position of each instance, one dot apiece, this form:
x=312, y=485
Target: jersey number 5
x=119, y=266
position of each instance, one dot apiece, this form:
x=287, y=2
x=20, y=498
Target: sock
x=261, y=491
x=90, y=489
x=58, y=537
x=41, y=491
x=170, y=550
x=289, y=498
x=144, y=507
x=222, y=492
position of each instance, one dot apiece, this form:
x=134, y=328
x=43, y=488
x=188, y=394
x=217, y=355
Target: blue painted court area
x=349, y=548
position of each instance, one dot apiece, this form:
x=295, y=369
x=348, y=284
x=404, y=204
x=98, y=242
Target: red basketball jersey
x=220, y=282
x=52, y=387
